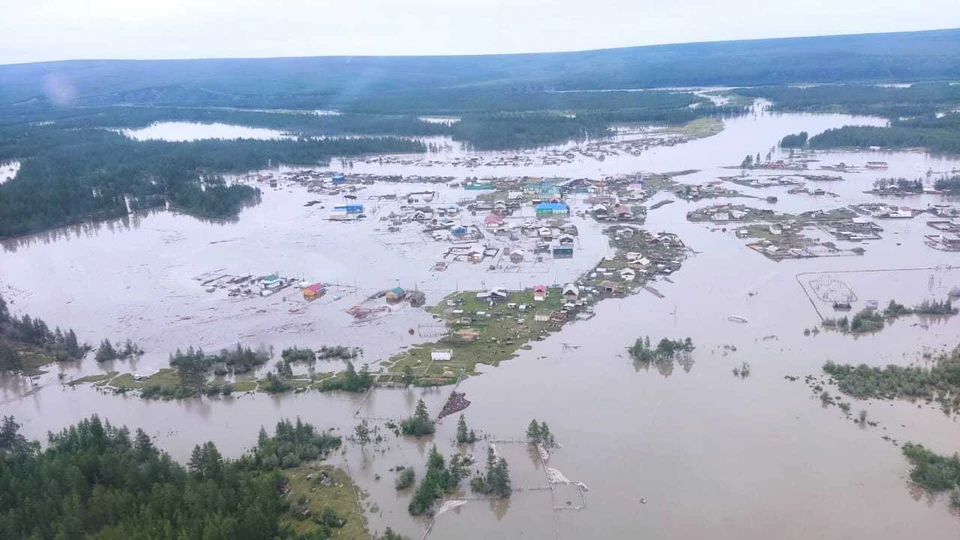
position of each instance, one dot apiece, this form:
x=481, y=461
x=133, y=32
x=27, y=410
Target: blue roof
x=350, y=208
x=552, y=206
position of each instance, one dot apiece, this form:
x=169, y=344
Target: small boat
x=737, y=319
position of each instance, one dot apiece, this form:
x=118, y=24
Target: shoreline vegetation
x=27, y=345
x=95, y=479
x=940, y=382
x=869, y=320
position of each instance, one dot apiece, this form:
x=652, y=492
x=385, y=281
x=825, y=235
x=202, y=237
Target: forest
x=68, y=176
x=95, y=480
x=347, y=83
x=921, y=115
x=26, y=343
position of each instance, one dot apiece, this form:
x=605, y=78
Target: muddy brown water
x=713, y=455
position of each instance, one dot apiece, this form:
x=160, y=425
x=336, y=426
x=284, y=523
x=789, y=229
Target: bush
x=405, y=478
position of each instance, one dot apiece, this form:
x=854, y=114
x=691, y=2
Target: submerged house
x=571, y=293
x=493, y=221
x=563, y=251
x=312, y=292
x=395, y=295
x=552, y=208
x=346, y=212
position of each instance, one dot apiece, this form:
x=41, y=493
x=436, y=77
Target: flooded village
x=508, y=286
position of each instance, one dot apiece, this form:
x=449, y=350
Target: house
x=460, y=231
x=395, y=295
x=498, y=295
x=609, y=287
x=441, y=355
x=571, y=293
x=540, y=293
x=570, y=229
x=516, y=256
x=558, y=317
x=563, y=252
x=312, y=292
x=628, y=274
x=566, y=239
x=548, y=209
x=622, y=213
x=545, y=232
x=541, y=317
x=338, y=179
x=641, y=263
x=346, y=212
x=271, y=281
x=493, y=221
x=775, y=229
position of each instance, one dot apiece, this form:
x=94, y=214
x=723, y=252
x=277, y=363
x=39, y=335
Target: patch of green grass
x=702, y=127
x=246, y=385
x=166, y=379
x=97, y=380
x=341, y=496
x=502, y=331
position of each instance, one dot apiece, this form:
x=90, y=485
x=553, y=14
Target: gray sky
x=37, y=30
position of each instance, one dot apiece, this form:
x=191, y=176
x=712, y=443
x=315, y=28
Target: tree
x=362, y=432
x=420, y=423
x=4, y=311
x=464, y=436
x=533, y=432
x=747, y=162
x=106, y=352
x=9, y=359
x=496, y=480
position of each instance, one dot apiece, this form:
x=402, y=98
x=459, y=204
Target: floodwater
x=8, y=170
x=194, y=131
x=712, y=455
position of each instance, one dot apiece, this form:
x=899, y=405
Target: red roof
x=493, y=218
x=540, y=288
x=316, y=287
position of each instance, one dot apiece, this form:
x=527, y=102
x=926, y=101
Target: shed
x=570, y=292
x=441, y=355
x=627, y=274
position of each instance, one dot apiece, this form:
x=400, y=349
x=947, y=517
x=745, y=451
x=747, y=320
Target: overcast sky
x=38, y=30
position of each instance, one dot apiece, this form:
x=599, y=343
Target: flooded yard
x=678, y=451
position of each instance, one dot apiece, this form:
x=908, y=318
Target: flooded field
x=671, y=451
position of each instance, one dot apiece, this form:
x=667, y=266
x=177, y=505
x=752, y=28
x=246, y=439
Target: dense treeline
x=941, y=381
x=99, y=481
x=935, y=140
x=342, y=82
x=949, y=185
x=868, y=99
x=798, y=140
x=307, y=123
x=194, y=366
x=921, y=115
x=67, y=176
x=16, y=332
